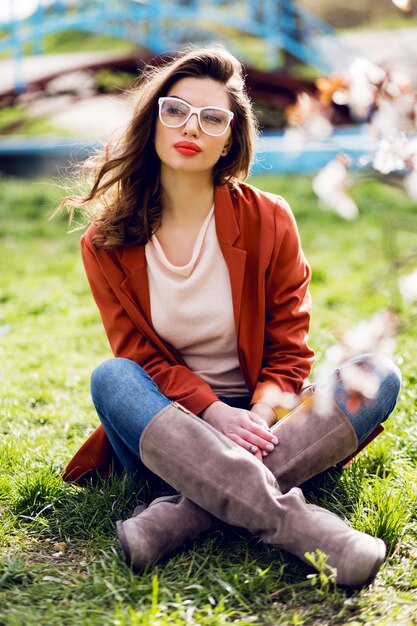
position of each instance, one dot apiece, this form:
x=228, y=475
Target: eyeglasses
x=174, y=112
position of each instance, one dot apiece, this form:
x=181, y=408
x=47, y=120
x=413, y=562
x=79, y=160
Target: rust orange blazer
x=269, y=278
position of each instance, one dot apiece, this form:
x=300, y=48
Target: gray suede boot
x=232, y=485
x=160, y=529
x=309, y=443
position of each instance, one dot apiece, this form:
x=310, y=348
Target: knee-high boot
x=232, y=485
x=309, y=443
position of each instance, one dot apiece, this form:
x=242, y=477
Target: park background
x=60, y=560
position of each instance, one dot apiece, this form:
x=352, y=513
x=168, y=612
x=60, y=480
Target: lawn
x=60, y=561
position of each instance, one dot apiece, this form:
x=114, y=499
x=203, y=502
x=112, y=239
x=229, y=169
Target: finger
x=259, y=455
x=258, y=419
x=264, y=431
x=257, y=441
x=250, y=447
x=258, y=430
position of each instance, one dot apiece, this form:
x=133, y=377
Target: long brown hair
x=124, y=201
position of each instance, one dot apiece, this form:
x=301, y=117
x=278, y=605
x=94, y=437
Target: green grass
x=75, y=40
x=17, y=120
x=60, y=562
x=70, y=40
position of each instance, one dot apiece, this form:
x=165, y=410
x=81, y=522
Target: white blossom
x=392, y=154
x=331, y=185
x=323, y=404
x=408, y=287
x=363, y=78
x=404, y=5
x=357, y=380
x=393, y=115
x=307, y=116
x=274, y=397
x=361, y=383
x=294, y=139
x=373, y=335
x=410, y=184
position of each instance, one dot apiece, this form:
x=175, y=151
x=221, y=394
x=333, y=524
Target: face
x=188, y=148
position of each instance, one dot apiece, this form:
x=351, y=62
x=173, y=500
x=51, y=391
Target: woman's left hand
x=243, y=427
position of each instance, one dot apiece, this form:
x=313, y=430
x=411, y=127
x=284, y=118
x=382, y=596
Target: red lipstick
x=187, y=148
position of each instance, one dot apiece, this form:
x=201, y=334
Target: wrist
x=265, y=411
x=210, y=410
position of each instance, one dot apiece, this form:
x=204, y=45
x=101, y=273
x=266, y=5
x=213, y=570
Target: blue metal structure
x=167, y=25
x=29, y=156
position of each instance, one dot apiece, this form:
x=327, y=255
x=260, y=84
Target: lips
x=188, y=148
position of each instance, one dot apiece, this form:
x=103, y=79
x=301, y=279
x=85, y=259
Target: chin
x=188, y=165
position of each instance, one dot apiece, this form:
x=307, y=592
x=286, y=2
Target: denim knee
x=126, y=399
x=120, y=382
x=110, y=374
x=390, y=379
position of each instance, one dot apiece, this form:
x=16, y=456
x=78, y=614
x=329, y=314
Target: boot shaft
x=310, y=441
x=234, y=486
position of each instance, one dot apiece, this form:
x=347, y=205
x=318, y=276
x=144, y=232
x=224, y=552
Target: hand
x=243, y=427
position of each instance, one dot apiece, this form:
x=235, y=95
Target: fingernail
x=264, y=453
x=269, y=447
x=274, y=440
x=253, y=449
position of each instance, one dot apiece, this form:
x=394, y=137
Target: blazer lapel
x=227, y=233
x=135, y=284
x=136, y=301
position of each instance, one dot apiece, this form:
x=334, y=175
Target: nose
x=191, y=127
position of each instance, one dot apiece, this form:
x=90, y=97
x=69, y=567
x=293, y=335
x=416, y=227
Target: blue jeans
x=126, y=399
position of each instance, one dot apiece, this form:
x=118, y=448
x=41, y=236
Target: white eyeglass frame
x=197, y=111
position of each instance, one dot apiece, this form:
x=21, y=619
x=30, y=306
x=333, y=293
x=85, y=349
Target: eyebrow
x=206, y=106
x=178, y=98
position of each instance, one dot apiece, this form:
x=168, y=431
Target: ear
x=227, y=146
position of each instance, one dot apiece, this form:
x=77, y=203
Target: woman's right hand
x=241, y=426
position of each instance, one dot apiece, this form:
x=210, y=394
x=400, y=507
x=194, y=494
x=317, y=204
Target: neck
x=187, y=196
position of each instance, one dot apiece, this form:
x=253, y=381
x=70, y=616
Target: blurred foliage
x=79, y=41
x=360, y=13
x=109, y=81
x=17, y=120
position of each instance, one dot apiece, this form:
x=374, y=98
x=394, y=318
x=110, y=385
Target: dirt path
x=37, y=67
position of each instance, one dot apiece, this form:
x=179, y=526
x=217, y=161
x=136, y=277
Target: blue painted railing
x=167, y=25
x=274, y=152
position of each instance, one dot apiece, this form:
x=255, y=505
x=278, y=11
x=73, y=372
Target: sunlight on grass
x=385, y=508
x=51, y=338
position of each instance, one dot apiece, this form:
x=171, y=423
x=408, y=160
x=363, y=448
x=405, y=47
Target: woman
x=203, y=290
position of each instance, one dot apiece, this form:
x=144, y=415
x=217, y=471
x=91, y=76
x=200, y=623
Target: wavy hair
x=125, y=197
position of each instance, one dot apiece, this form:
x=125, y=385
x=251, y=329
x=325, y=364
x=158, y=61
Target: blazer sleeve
x=287, y=359
x=175, y=380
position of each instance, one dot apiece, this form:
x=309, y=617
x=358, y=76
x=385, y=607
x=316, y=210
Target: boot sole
x=123, y=543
